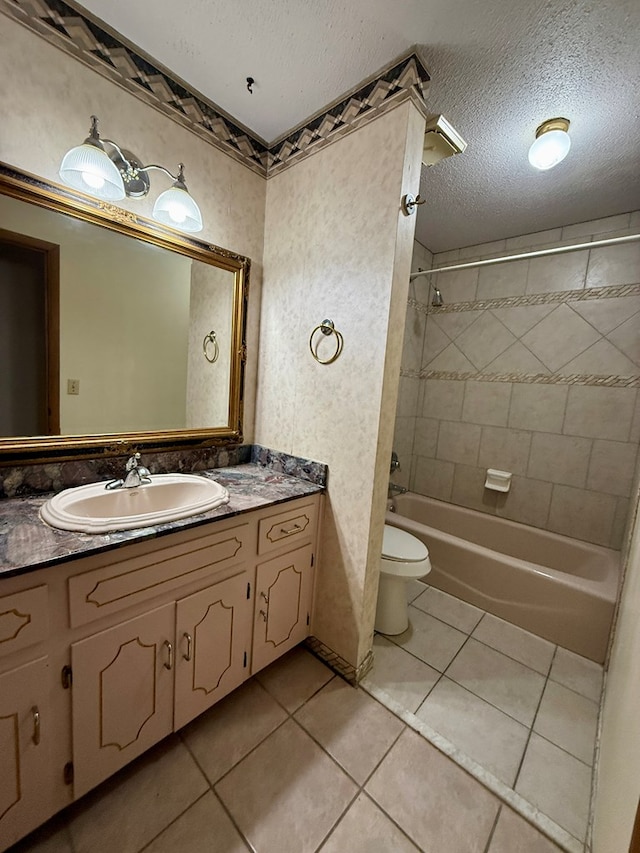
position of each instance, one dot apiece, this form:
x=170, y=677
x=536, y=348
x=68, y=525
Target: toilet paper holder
x=498, y=481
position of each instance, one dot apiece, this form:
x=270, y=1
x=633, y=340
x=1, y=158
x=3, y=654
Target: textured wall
x=532, y=367
x=46, y=100
x=337, y=246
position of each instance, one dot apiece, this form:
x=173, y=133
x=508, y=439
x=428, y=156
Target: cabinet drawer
x=24, y=619
x=287, y=527
x=125, y=582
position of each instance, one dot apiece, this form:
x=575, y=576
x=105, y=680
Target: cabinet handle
x=289, y=530
x=263, y=613
x=189, y=642
x=36, y=725
x=169, y=662
x=265, y=596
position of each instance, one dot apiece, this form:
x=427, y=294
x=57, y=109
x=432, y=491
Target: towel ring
x=327, y=328
x=210, y=339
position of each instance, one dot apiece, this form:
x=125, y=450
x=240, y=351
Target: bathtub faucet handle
x=395, y=462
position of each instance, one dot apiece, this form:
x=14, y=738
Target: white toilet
x=404, y=557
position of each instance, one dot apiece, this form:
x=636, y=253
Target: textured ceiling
x=498, y=68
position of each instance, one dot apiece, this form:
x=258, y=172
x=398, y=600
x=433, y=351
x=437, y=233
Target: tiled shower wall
x=531, y=367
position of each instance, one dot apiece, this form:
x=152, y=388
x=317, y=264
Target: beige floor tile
x=557, y=783
x=232, y=728
x=414, y=589
x=53, y=837
x=514, y=835
x=430, y=639
x=294, y=678
x=367, y=829
x=515, y=642
x=287, y=794
x=569, y=720
x=449, y=609
x=205, y=826
x=405, y=678
x=136, y=804
x=500, y=680
x=438, y=805
x=493, y=739
x=355, y=729
x=578, y=673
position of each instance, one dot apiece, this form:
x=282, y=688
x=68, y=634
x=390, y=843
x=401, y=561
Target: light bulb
x=177, y=212
x=96, y=182
x=551, y=145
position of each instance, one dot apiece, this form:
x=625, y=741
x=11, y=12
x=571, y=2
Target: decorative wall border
x=107, y=52
x=554, y=297
x=406, y=77
x=595, y=379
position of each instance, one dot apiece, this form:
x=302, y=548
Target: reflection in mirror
x=102, y=329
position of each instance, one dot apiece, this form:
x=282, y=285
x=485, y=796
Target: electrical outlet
x=73, y=386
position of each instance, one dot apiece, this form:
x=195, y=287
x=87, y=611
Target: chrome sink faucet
x=137, y=475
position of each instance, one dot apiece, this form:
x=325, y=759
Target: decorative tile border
x=106, y=52
x=555, y=297
x=338, y=664
x=527, y=378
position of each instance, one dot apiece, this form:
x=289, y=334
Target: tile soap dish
x=498, y=481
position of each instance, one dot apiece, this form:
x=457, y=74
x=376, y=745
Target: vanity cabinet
x=284, y=588
x=25, y=735
x=213, y=644
x=122, y=695
x=104, y=656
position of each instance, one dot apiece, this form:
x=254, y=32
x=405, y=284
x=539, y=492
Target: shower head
x=437, y=300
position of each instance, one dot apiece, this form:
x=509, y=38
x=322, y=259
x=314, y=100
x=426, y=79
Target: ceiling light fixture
x=114, y=174
x=551, y=145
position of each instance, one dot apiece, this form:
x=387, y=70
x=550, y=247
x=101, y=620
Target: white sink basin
x=94, y=509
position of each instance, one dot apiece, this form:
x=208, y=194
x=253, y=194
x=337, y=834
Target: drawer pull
x=189, y=642
x=169, y=662
x=263, y=613
x=265, y=596
x=287, y=531
x=36, y=725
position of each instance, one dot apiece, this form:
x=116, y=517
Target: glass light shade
x=88, y=168
x=549, y=149
x=176, y=208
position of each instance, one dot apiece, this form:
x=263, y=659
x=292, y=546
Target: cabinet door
x=213, y=637
x=122, y=694
x=284, y=587
x=26, y=776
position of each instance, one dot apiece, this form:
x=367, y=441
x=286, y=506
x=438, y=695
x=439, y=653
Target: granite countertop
x=27, y=543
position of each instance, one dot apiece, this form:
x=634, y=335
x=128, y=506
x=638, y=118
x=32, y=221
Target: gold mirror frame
x=15, y=450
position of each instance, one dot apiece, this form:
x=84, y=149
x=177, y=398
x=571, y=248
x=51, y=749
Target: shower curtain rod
x=611, y=241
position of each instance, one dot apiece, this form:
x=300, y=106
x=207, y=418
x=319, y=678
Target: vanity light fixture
x=551, y=145
x=116, y=173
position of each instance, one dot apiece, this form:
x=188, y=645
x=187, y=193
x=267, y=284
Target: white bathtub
x=558, y=588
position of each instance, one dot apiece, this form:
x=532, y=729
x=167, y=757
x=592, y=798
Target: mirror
x=114, y=331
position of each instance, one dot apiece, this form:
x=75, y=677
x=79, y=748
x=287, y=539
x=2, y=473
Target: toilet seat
x=401, y=546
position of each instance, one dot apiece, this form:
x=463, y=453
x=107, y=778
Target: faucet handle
x=132, y=462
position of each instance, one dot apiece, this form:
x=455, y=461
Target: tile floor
x=296, y=760
x=519, y=706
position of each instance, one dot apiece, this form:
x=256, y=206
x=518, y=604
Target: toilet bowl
x=404, y=557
